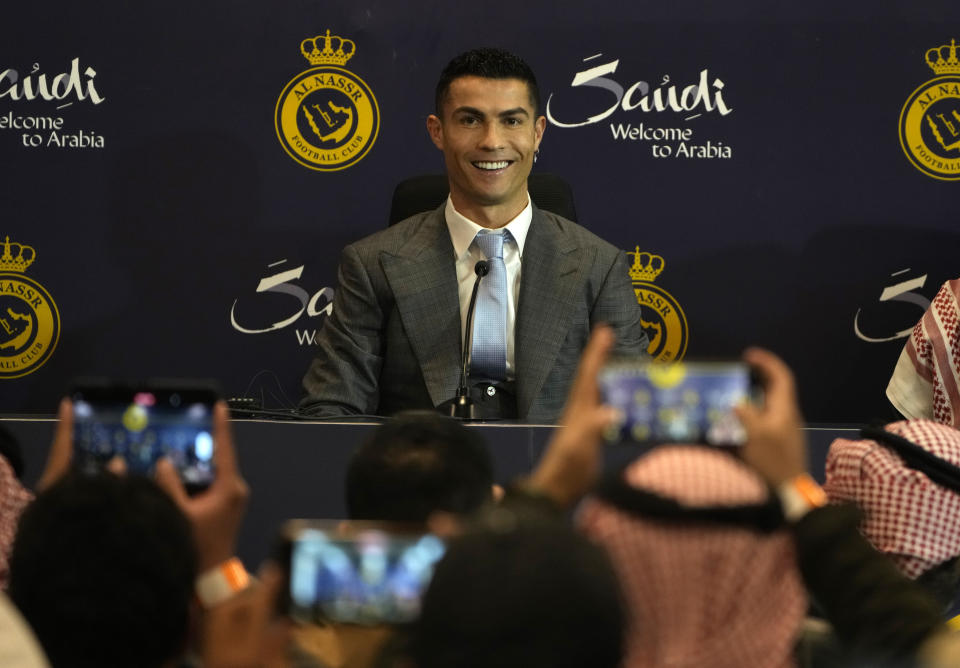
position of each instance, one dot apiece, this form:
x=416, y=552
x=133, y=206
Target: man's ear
x=539, y=127
x=435, y=128
x=497, y=492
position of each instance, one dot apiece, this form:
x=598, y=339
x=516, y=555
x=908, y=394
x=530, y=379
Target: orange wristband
x=221, y=582
x=799, y=496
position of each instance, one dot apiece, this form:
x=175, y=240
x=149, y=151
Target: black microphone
x=482, y=268
x=462, y=405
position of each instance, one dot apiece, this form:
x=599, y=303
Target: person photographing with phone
x=106, y=565
x=880, y=617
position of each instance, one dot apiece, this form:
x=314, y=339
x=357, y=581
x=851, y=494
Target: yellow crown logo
x=646, y=266
x=19, y=263
x=335, y=51
x=943, y=59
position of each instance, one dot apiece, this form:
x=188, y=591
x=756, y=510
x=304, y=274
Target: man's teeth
x=500, y=164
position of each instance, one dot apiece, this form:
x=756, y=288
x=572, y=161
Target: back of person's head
x=487, y=63
x=708, y=570
x=906, y=515
x=103, y=569
x=415, y=464
x=518, y=593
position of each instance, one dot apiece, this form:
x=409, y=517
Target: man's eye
x=469, y=121
x=513, y=122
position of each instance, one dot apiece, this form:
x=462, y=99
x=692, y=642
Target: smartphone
x=142, y=422
x=358, y=572
x=677, y=402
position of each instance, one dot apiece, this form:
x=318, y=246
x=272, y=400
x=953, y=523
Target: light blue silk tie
x=488, y=359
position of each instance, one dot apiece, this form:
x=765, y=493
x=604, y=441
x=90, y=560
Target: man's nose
x=491, y=139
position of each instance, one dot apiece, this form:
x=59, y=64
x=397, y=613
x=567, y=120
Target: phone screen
x=678, y=402
x=370, y=577
x=142, y=424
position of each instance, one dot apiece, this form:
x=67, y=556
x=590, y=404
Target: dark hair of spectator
x=417, y=463
x=943, y=581
x=487, y=63
x=103, y=570
x=521, y=595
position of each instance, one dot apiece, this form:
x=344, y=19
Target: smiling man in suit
x=395, y=336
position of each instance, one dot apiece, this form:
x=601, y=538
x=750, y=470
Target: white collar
x=463, y=230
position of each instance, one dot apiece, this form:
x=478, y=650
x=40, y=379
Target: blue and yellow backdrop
x=178, y=179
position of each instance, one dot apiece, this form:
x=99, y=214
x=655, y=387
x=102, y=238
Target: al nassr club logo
x=661, y=317
x=930, y=118
x=327, y=117
x=29, y=320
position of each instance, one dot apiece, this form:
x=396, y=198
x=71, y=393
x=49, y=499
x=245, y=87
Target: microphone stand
x=462, y=406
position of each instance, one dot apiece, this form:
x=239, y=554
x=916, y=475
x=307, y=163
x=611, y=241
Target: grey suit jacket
x=393, y=341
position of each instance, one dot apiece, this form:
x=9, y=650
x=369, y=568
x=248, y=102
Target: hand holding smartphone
x=678, y=402
x=357, y=572
x=143, y=422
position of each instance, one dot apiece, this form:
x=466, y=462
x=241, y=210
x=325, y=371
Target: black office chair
x=425, y=193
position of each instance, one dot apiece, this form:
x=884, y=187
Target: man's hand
x=61, y=450
x=243, y=631
x=776, y=446
x=571, y=464
x=217, y=512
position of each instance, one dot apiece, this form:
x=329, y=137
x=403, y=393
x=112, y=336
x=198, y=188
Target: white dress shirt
x=462, y=232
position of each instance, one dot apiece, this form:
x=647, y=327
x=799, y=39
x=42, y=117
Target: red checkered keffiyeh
x=906, y=515
x=14, y=497
x=926, y=380
x=706, y=595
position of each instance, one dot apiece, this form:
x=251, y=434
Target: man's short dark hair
x=943, y=582
x=487, y=63
x=103, y=569
x=521, y=593
x=416, y=463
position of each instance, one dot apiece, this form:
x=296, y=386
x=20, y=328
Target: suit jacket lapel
x=423, y=279
x=551, y=269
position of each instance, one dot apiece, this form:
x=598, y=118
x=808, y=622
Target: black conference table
x=296, y=468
